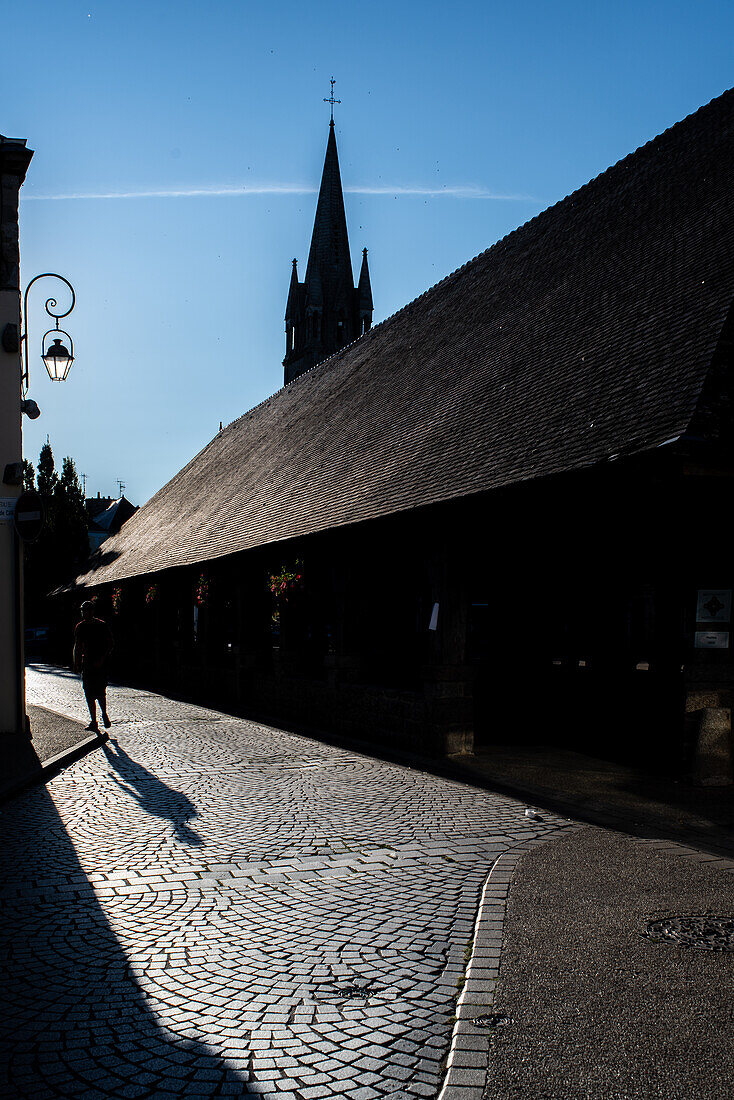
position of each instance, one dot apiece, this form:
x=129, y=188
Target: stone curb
x=49, y=768
x=468, y=1058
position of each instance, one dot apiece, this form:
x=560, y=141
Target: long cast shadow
x=75, y=1022
x=152, y=795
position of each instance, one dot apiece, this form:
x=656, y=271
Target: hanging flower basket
x=202, y=591
x=152, y=594
x=289, y=580
x=116, y=599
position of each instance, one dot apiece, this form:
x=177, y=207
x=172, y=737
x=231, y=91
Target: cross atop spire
x=331, y=100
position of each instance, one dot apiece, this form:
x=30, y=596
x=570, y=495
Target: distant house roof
x=95, y=505
x=116, y=513
x=105, y=517
x=587, y=332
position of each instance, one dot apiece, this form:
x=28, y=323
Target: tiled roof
x=115, y=514
x=95, y=505
x=587, y=332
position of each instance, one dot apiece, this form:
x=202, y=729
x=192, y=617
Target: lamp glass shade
x=58, y=360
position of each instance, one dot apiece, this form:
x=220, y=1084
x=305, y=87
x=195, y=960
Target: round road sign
x=29, y=516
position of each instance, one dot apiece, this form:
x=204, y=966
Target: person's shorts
x=94, y=684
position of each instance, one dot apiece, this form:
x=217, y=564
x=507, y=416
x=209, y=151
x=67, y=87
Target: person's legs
x=102, y=696
x=90, y=696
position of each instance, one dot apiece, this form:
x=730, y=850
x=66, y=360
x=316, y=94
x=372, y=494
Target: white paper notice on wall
x=433, y=625
x=7, y=509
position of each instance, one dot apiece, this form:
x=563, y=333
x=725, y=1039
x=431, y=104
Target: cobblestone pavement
x=210, y=907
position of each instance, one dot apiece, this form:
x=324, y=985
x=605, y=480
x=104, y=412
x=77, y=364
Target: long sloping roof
x=587, y=332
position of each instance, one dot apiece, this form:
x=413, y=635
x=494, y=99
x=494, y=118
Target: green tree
x=47, y=476
x=29, y=476
x=69, y=518
x=71, y=485
x=62, y=547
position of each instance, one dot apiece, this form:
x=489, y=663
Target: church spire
x=328, y=258
x=326, y=311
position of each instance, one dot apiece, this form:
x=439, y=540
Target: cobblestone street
x=206, y=906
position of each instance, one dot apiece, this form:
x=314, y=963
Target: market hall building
x=498, y=516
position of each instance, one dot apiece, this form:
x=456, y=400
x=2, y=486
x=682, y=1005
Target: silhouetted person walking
x=92, y=646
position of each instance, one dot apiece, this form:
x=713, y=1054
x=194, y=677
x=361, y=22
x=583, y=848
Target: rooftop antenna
x=84, y=484
x=121, y=485
x=331, y=100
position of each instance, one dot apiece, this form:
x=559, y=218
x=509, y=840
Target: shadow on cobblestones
x=75, y=1022
x=61, y=671
x=152, y=795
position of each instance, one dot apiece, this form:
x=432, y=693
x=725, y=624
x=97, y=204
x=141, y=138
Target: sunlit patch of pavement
x=207, y=906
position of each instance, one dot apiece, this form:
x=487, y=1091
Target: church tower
x=326, y=311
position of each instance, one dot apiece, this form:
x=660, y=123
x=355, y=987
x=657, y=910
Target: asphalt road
x=594, y=1009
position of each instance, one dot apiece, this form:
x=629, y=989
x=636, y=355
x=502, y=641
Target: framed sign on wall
x=713, y=605
x=711, y=639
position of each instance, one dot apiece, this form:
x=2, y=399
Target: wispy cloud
x=180, y=193
x=462, y=191
x=451, y=191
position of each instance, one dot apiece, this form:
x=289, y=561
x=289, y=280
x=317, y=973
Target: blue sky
x=178, y=148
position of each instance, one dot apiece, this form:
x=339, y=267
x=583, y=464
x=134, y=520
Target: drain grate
x=492, y=1020
x=345, y=991
x=707, y=933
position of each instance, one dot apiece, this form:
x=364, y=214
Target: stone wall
x=14, y=160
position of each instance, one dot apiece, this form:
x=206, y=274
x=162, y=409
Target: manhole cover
x=492, y=1020
x=707, y=933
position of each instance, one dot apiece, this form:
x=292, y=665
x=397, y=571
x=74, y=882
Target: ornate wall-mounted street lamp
x=56, y=352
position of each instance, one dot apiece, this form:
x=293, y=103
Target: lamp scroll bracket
x=51, y=306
